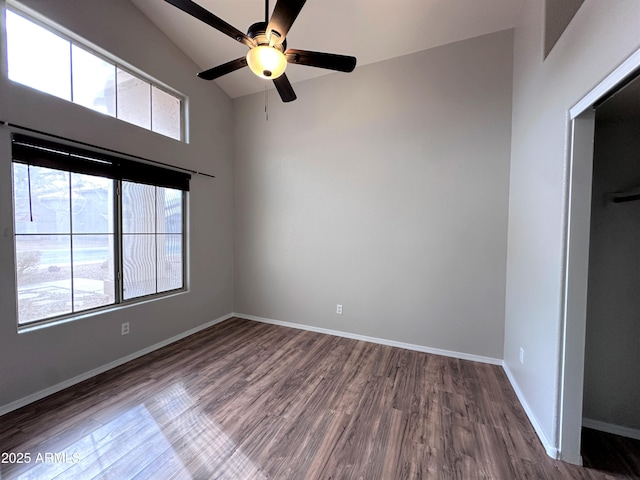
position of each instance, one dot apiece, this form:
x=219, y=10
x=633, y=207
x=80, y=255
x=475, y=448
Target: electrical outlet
x=339, y=309
x=124, y=329
x=521, y=355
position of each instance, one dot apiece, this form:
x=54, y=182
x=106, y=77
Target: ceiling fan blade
x=284, y=88
x=331, y=61
x=209, y=18
x=284, y=14
x=220, y=70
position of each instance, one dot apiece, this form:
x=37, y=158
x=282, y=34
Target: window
x=93, y=230
x=47, y=61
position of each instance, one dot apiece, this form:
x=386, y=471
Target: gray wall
x=612, y=356
x=599, y=38
x=30, y=362
x=384, y=190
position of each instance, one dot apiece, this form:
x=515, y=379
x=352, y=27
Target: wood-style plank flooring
x=245, y=400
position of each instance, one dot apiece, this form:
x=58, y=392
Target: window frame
x=118, y=229
x=119, y=64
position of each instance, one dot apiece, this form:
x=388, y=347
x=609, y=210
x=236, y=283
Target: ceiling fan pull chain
x=266, y=102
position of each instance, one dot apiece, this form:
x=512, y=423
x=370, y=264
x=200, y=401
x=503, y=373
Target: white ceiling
x=370, y=30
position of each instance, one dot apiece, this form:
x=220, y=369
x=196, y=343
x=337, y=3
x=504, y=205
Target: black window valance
x=46, y=153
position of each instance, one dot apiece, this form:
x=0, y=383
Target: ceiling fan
x=268, y=53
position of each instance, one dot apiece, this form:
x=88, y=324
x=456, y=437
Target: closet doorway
x=582, y=192
x=611, y=393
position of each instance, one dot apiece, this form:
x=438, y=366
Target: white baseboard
x=381, y=341
x=96, y=371
x=611, y=428
x=552, y=451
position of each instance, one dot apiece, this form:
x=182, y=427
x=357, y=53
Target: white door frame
x=576, y=248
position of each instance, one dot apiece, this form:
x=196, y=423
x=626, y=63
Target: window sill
x=61, y=320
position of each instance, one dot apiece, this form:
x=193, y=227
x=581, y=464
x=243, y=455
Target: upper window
x=93, y=230
x=49, y=62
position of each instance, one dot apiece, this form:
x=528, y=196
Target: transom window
x=50, y=62
x=93, y=230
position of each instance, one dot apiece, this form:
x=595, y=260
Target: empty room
x=323, y=239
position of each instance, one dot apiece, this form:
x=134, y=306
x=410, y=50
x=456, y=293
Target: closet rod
x=625, y=197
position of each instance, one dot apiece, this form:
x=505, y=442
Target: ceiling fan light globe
x=266, y=62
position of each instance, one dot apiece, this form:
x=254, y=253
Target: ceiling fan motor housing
x=258, y=32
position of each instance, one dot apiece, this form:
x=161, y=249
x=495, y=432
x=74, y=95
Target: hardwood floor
x=245, y=400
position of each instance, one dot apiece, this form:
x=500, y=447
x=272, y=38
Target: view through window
x=44, y=60
x=85, y=241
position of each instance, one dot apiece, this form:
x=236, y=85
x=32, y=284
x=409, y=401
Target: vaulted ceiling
x=371, y=30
